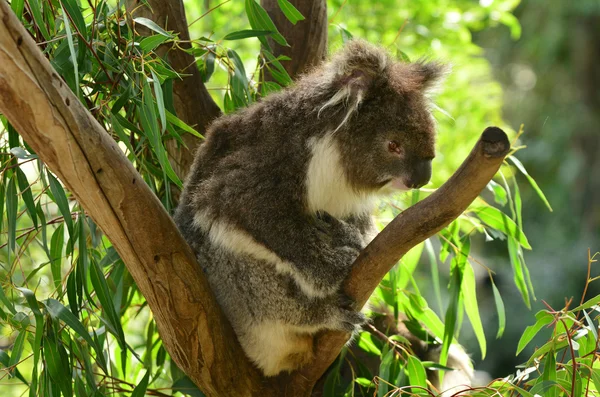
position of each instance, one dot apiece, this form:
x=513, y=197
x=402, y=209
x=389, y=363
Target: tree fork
x=194, y=331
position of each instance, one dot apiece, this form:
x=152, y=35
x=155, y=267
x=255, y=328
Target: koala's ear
x=351, y=73
x=427, y=75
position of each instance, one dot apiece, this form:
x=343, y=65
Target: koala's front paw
x=346, y=255
x=347, y=318
x=341, y=232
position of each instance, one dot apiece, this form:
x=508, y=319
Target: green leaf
x=498, y=220
x=71, y=50
x=277, y=69
x=17, y=6
x=150, y=126
x=153, y=26
x=17, y=349
x=260, y=20
x=105, y=297
x=160, y=102
x=550, y=374
x=416, y=374
x=57, y=364
x=56, y=252
x=60, y=199
x=177, y=122
x=596, y=378
x=518, y=270
x=239, y=81
x=39, y=322
x=450, y=319
x=364, y=382
x=290, y=12
x=27, y=195
x=532, y=181
x=543, y=318
x=11, y=213
x=366, y=343
x=185, y=386
x=58, y=311
x=4, y=360
x=385, y=369
x=243, y=34
x=468, y=290
x=75, y=13
x=148, y=44
x=36, y=10
x=140, y=389
x=588, y=304
x=500, y=195
x=499, y=310
x=408, y=265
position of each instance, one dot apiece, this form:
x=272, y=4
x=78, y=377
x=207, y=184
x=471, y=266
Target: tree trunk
x=307, y=39
x=193, y=329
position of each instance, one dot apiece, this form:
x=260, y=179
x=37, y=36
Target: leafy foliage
x=74, y=321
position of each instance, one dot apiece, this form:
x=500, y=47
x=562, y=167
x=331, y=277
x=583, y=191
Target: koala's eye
x=394, y=147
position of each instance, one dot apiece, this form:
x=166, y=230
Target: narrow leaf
x=61, y=201
x=543, y=318
x=260, y=20
x=140, y=389
x=500, y=221
x=468, y=290
x=243, y=34
x=499, y=310
x=149, y=43
x=153, y=26
x=532, y=181
x=290, y=12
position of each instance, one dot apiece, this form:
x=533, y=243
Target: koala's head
x=380, y=115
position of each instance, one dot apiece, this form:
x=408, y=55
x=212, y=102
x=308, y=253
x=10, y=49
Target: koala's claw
x=345, y=302
x=352, y=321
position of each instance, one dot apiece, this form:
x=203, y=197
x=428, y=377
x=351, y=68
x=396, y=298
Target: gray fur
x=274, y=242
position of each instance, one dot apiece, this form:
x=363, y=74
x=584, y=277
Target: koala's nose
x=420, y=175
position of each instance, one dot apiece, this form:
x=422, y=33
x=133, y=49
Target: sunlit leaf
x=140, y=389
x=543, y=318
x=150, y=43
x=532, y=181
x=61, y=201
x=290, y=12
x=260, y=20
x=153, y=26
x=468, y=290
x=499, y=310
x=500, y=221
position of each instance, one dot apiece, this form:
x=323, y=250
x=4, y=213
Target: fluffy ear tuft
x=351, y=74
x=426, y=75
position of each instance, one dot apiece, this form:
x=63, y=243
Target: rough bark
x=194, y=331
x=307, y=39
x=192, y=101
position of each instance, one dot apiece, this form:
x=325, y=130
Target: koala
x=277, y=204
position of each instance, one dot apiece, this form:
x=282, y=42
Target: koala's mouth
x=397, y=184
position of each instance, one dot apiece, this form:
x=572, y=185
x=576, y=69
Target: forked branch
x=195, y=333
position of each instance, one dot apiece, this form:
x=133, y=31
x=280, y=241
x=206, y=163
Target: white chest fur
x=327, y=187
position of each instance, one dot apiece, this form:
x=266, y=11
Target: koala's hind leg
x=276, y=347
